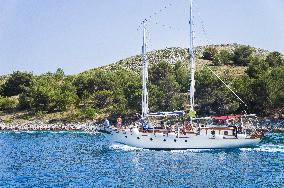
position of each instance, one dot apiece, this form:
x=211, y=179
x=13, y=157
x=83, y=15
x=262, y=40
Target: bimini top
x=233, y=116
x=226, y=117
x=174, y=113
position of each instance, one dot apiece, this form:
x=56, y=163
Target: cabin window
x=225, y=132
x=151, y=139
x=185, y=140
x=164, y=140
x=125, y=136
x=138, y=138
x=175, y=140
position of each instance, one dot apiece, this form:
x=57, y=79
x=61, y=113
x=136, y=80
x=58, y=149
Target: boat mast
x=145, y=108
x=192, y=63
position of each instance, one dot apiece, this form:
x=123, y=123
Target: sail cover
x=174, y=113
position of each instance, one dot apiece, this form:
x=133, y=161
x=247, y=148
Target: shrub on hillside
x=7, y=103
x=16, y=83
x=222, y=58
x=49, y=92
x=257, y=67
x=217, y=60
x=274, y=59
x=242, y=55
x=209, y=53
x=91, y=113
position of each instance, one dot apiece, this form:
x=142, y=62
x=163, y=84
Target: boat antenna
x=192, y=64
x=145, y=108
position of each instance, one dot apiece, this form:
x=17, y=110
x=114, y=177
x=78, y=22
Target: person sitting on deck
x=106, y=123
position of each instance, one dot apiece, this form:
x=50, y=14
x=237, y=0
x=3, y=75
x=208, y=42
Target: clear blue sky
x=77, y=35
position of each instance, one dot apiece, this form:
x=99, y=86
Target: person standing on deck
x=145, y=125
x=119, y=122
x=106, y=123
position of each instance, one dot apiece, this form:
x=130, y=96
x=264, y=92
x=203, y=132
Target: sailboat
x=165, y=130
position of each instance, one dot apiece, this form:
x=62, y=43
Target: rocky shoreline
x=42, y=126
x=60, y=125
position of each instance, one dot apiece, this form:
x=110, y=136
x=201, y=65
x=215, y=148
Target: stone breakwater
x=41, y=126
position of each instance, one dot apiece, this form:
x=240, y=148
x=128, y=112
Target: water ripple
x=64, y=159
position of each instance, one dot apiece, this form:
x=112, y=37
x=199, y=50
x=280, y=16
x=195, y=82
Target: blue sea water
x=62, y=159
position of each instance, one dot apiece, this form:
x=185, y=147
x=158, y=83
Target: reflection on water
x=46, y=159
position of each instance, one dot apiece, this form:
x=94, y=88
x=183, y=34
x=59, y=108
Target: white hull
x=132, y=137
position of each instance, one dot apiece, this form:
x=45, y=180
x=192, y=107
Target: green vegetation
x=242, y=55
x=209, y=53
x=117, y=90
x=49, y=92
x=7, y=103
x=16, y=83
x=223, y=57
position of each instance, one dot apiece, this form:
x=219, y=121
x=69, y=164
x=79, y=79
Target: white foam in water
x=266, y=148
x=198, y=150
x=64, y=132
x=130, y=148
x=30, y=131
x=93, y=132
x=124, y=147
x=190, y=150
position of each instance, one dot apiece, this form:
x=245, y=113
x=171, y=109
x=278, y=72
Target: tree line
x=98, y=92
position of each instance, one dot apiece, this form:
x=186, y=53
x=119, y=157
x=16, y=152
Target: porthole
x=175, y=140
x=185, y=140
x=138, y=138
x=125, y=136
x=151, y=139
x=164, y=140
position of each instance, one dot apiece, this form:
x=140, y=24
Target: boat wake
x=262, y=148
x=130, y=148
x=40, y=131
x=266, y=148
x=125, y=147
x=191, y=150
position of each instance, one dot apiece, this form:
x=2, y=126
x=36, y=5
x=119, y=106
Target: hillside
x=256, y=75
x=175, y=54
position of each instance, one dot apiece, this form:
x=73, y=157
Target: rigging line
x=149, y=40
x=202, y=24
x=226, y=85
x=153, y=15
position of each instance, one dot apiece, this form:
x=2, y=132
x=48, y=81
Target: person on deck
x=119, y=122
x=106, y=123
x=145, y=125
